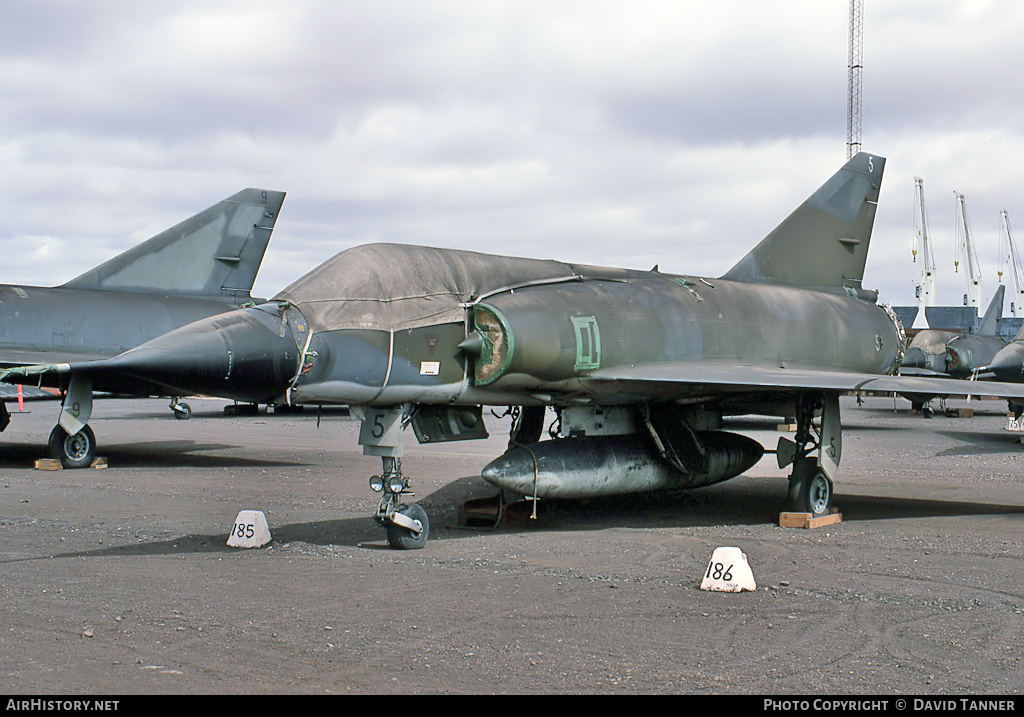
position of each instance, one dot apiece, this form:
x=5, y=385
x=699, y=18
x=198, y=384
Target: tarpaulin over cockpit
x=395, y=286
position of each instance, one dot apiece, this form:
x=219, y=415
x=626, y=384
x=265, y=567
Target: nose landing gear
x=380, y=434
x=406, y=524
x=181, y=410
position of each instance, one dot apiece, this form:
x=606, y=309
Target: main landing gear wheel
x=811, y=494
x=405, y=538
x=75, y=451
x=181, y=410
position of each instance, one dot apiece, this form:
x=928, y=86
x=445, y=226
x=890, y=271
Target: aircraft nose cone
x=247, y=355
x=914, y=358
x=1008, y=363
x=955, y=363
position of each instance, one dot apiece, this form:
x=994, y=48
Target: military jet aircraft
x=1008, y=362
x=955, y=354
x=639, y=367
x=934, y=352
x=202, y=266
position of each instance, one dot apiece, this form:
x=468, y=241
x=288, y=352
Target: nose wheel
x=181, y=410
x=406, y=524
x=413, y=530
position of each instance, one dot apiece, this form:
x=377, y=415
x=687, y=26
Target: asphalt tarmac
x=119, y=581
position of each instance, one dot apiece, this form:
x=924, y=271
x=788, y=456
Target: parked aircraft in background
x=202, y=266
x=1008, y=363
x=934, y=352
x=953, y=353
x=639, y=367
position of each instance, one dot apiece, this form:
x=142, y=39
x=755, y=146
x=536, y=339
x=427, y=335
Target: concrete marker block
x=728, y=571
x=250, y=530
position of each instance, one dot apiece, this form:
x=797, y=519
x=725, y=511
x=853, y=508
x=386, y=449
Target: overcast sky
x=627, y=133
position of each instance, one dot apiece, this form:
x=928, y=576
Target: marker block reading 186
x=728, y=571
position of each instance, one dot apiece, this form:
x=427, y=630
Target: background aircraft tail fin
x=824, y=243
x=989, y=325
x=217, y=252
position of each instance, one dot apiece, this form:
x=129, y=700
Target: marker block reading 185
x=250, y=530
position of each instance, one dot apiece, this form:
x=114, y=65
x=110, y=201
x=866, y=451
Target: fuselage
x=542, y=340
x=928, y=350
x=966, y=354
x=1008, y=362
x=44, y=324
x=531, y=340
x=536, y=342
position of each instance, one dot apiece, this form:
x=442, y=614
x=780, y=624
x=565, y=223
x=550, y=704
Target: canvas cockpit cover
x=391, y=287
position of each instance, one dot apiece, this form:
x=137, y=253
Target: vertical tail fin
x=989, y=325
x=824, y=243
x=216, y=252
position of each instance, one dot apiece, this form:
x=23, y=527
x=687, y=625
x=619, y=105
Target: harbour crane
x=965, y=247
x=925, y=289
x=1010, y=252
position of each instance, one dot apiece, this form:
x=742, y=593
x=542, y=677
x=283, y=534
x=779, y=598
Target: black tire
x=401, y=538
x=811, y=494
x=77, y=451
x=181, y=410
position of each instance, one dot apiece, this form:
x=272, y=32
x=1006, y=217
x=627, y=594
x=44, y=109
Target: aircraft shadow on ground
x=981, y=443
x=345, y=532
x=745, y=503
x=146, y=454
x=183, y=453
x=748, y=502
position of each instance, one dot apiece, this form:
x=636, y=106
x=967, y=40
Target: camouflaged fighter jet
x=640, y=367
x=202, y=266
x=1008, y=362
x=934, y=352
x=955, y=354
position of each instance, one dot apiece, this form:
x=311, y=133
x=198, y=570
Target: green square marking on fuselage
x=588, y=343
